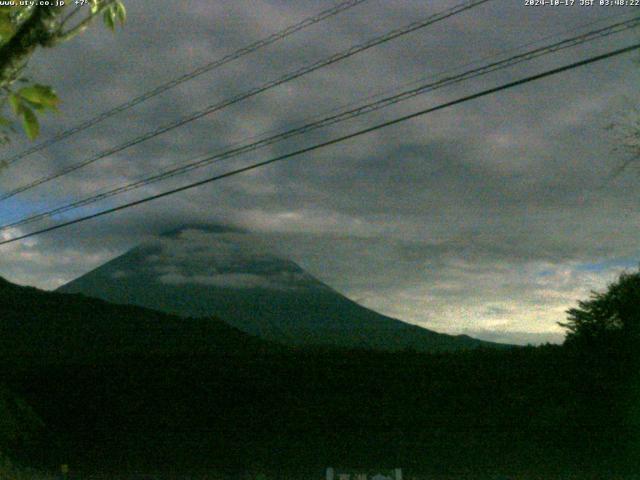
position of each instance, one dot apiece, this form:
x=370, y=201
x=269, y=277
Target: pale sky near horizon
x=487, y=218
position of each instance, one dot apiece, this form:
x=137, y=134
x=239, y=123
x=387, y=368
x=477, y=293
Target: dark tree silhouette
x=23, y=29
x=609, y=318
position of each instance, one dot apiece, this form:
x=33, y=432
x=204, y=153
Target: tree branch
x=81, y=26
x=38, y=30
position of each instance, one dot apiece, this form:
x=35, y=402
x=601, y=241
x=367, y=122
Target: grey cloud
x=444, y=221
x=236, y=280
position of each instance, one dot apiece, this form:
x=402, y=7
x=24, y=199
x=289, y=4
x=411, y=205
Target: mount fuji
x=201, y=271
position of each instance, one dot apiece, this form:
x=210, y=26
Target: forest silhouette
x=134, y=390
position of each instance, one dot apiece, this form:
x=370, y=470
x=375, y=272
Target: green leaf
x=40, y=95
x=121, y=12
x=16, y=103
x=109, y=17
x=35, y=106
x=30, y=123
x=5, y=122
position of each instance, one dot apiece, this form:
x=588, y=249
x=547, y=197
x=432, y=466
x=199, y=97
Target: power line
x=340, y=117
x=334, y=141
x=255, y=91
x=615, y=28
x=273, y=38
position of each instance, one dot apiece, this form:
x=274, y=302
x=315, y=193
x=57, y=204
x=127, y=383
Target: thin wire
x=275, y=37
x=334, y=141
x=346, y=115
x=253, y=92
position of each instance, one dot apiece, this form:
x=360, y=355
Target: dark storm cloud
x=453, y=221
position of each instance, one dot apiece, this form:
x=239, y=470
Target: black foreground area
x=123, y=389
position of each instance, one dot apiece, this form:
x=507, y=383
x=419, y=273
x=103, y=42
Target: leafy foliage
x=29, y=99
x=11, y=18
x=611, y=318
x=22, y=30
x=115, y=13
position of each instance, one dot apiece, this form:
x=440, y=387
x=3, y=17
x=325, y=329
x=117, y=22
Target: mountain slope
x=203, y=271
x=55, y=326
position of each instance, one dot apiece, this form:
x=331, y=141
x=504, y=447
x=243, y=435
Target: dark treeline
x=535, y=410
x=123, y=389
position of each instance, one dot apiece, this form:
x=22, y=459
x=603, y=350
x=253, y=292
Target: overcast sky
x=487, y=218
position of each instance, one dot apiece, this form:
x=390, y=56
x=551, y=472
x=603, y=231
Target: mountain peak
x=203, y=270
